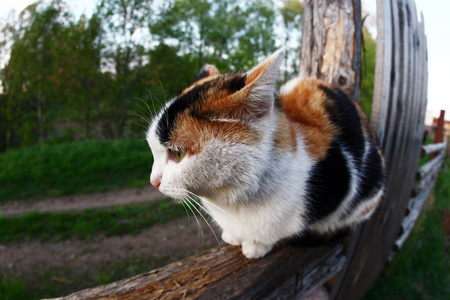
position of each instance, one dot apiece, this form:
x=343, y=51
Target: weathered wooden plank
x=226, y=274
x=426, y=181
x=383, y=69
x=328, y=268
x=415, y=207
x=331, y=49
x=388, y=143
x=432, y=148
x=399, y=125
x=430, y=166
x=302, y=285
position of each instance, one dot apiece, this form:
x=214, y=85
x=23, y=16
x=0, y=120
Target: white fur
x=289, y=86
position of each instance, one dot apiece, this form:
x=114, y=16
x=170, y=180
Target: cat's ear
x=260, y=85
x=206, y=71
x=265, y=73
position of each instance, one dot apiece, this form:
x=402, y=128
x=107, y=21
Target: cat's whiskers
x=187, y=214
x=199, y=227
x=162, y=88
x=201, y=206
x=207, y=223
x=133, y=114
x=153, y=97
x=135, y=123
x=207, y=201
x=148, y=110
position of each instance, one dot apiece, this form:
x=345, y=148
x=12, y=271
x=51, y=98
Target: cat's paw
x=253, y=249
x=230, y=239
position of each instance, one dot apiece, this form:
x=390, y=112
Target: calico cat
x=268, y=165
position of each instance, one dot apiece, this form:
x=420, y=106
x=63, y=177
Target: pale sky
x=437, y=28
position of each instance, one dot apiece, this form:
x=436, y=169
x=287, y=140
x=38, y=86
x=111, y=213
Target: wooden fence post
x=331, y=43
x=439, y=135
x=398, y=118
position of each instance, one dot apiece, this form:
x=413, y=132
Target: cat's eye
x=177, y=154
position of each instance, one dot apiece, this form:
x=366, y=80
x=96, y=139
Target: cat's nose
x=156, y=181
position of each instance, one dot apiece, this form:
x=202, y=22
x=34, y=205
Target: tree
x=80, y=72
x=30, y=78
x=123, y=37
x=226, y=33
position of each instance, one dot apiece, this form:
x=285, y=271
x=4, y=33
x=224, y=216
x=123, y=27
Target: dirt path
x=72, y=264
x=80, y=202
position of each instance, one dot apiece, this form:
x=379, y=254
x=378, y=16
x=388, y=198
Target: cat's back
x=321, y=113
x=349, y=166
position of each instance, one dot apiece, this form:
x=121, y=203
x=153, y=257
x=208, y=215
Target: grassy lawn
x=73, y=168
x=110, y=221
x=421, y=269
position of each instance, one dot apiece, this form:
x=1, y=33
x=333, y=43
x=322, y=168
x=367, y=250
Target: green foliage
x=368, y=71
x=420, y=268
x=54, y=170
x=111, y=221
x=226, y=33
x=73, y=79
x=31, y=77
x=14, y=289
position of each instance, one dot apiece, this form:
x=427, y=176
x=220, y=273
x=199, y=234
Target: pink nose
x=156, y=182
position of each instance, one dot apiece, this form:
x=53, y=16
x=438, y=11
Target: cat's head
x=211, y=139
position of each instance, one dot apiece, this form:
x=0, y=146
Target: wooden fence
x=331, y=43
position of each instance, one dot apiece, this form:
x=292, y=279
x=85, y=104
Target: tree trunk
x=332, y=52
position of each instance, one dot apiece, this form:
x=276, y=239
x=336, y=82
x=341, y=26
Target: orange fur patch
x=192, y=134
x=200, y=82
x=305, y=106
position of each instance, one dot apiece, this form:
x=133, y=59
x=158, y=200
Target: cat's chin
x=175, y=193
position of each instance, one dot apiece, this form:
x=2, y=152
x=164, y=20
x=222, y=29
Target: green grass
x=116, y=220
x=420, y=270
x=14, y=289
x=73, y=168
x=50, y=285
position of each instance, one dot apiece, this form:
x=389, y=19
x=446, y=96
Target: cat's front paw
x=230, y=239
x=253, y=249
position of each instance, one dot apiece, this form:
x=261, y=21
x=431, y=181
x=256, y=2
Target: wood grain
x=286, y=273
x=331, y=43
x=397, y=114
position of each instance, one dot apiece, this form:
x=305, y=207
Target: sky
x=437, y=28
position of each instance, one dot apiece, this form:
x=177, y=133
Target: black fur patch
x=328, y=183
x=194, y=99
x=372, y=175
x=203, y=73
x=345, y=116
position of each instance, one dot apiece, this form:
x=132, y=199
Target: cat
x=268, y=164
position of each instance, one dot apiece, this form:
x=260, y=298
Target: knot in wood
x=342, y=80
